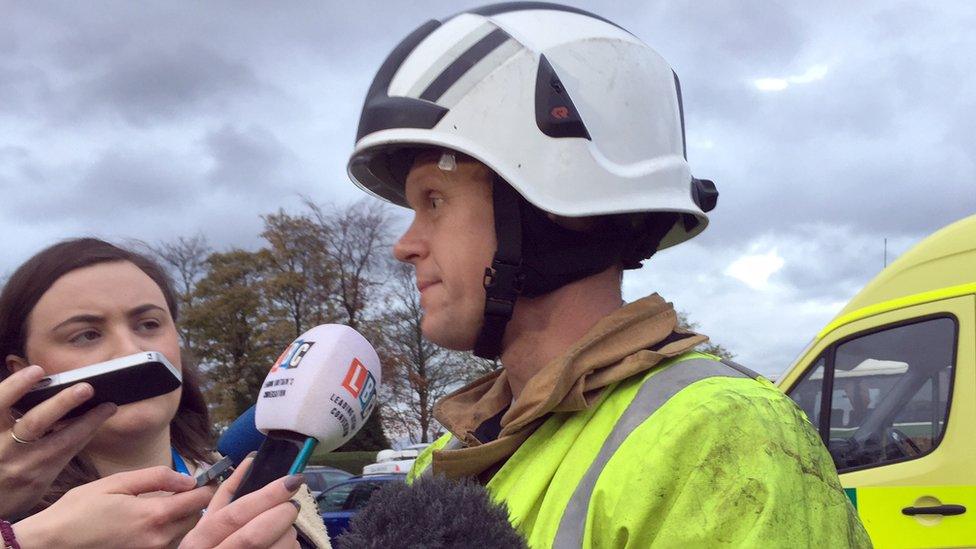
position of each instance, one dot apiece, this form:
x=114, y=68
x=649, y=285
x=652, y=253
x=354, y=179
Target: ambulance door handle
x=945, y=510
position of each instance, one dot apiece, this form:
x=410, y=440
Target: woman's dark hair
x=190, y=429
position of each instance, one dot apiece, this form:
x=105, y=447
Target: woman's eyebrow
x=142, y=309
x=87, y=319
x=96, y=319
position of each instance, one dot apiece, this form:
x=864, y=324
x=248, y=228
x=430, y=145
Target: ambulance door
x=894, y=398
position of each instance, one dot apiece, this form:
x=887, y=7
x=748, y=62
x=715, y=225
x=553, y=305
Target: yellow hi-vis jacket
x=692, y=453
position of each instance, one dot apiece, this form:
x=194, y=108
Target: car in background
x=339, y=503
x=395, y=461
x=890, y=385
x=320, y=477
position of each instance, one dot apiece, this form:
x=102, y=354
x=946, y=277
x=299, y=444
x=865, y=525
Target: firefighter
x=542, y=151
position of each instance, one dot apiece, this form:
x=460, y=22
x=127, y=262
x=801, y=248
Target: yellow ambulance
x=890, y=384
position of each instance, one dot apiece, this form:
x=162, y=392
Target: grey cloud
x=867, y=97
x=81, y=50
x=135, y=179
x=14, y=153
x=891, y=189
x=743, y=320
x=237, y=109
x=912, y=174
x=119, y=187
x=16, y=167
x=831, y=262
x=880, y=142
x=21, y=87
x=244, y=158
x=732, y=33
x=824, y=266
x=8, y=44
x=144, y=86
x=142, y=62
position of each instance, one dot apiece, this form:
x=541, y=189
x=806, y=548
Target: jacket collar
x=633, y=339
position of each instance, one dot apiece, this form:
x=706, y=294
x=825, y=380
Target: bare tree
x=709, y=347
x=353, y=243
x=422, y=373
x=477, y=367
x=358, y=241
x=241, y=307
x=186, y=257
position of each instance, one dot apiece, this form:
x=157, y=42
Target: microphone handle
x=282, y=453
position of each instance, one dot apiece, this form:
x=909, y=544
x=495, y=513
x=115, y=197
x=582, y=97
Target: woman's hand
x=260, y=519
x=28, y=468
x=109, y=513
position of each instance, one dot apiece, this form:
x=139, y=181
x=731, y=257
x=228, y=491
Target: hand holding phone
x=120, y=381
x=109, y=512
x=260, y=519
x=216, y=472
x=29, y=467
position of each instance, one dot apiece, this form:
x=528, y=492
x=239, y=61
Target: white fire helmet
x=575, y=113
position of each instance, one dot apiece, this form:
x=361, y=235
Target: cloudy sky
x=827, y=126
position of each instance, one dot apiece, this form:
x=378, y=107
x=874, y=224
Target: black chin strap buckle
x=503, y=278
x=503, y=284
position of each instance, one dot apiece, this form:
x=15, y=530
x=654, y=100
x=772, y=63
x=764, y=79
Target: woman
x=86, y=301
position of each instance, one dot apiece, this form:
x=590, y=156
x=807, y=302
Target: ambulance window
x=809, y=391
x=890, y=393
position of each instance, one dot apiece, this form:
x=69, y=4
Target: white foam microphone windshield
x=323, y=386
x=318, y=393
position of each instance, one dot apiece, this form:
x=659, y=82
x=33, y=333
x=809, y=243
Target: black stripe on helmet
x=506, y=7
x=463, y=64
x=681, y=114
x=382, y=112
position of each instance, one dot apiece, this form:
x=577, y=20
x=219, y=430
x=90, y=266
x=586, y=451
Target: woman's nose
x=126, y=342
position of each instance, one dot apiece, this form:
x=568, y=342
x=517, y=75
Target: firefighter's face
x=450, y=243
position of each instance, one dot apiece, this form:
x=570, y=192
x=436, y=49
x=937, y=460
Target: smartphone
x=216, y=472
x=122, y=381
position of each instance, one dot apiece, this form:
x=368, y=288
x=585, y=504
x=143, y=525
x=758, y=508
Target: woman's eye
x=85, y=337
x=149, y=325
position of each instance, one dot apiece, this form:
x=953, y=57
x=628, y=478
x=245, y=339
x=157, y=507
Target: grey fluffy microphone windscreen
x=432, y=513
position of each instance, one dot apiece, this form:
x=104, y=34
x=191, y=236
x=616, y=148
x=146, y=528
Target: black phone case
x=132, y=384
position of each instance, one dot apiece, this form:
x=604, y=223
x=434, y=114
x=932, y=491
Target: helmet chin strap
x=536, y=256
x=504, y=279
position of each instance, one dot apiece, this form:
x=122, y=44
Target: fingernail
x=109, y=407
x=83, y=390
x=251, y=454
x=296, y=504
x=294, y=481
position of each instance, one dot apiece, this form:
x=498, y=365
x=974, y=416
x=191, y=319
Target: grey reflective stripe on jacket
x=651, y=396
